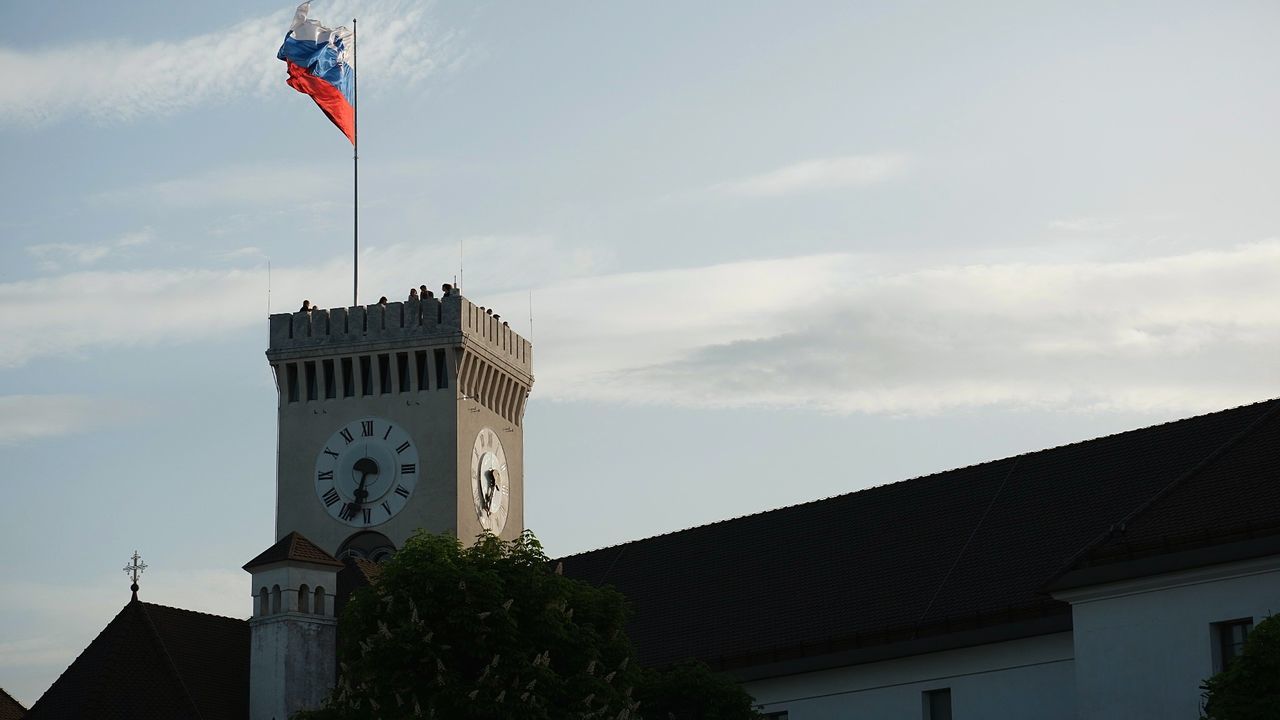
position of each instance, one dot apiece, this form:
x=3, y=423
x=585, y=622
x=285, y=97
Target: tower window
x=366, y=376
x=318, y=607
x=275, y=599
x=310, y=368
x=442, y=371
x=348, y=379
x=291, y=377
x=264, y=603
x=420, y=359
x=384, y=373
x=304, y=598
x=402, y=367
x=330, y=382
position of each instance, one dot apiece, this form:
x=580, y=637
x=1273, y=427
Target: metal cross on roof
x=133, y=570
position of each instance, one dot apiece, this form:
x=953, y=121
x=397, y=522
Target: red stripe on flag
x=328, y=97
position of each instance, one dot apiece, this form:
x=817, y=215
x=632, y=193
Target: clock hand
x=365, y=466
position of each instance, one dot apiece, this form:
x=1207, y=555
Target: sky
x=770, y=253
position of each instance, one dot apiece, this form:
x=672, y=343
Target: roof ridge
x=1204, y=463
x=293, y=547
x=972, y=466
x=164, y=649
x=191, y=612
x=72, y=664
x=15, y=700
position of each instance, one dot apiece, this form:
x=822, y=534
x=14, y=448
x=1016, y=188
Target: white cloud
x=849, y=334
x=838, y=333
x=398, y=45
x=240, y=186
x=1082, y=224
x=26, y=417
x=818, y=174
x=53, y=255
x=46, y=316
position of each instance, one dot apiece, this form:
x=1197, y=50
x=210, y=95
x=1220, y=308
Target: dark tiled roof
x=930, y=554
x=1233, y=498
x=296, y=548
x=355, y=574
x=156, y=662
x=10, y=709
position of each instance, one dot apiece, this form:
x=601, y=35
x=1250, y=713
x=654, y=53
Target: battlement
x=340, y=330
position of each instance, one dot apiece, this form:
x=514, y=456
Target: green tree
x=492, y=631
x=690, y=691
x=1249, y=688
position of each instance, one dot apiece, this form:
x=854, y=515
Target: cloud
x=1088, y=225
x=837, y=333
x=26, y=417
x=241, y=186
x=52, y=255
x=399, y=45
x=820, y=174
x=855, y=334
x=46, y=316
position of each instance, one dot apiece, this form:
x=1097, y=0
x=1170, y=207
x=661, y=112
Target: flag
x=320, y=61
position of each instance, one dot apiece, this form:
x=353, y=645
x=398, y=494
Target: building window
x=442, y=371
x=318, y=608
x=263, y=602
x=420, y=358
x=402, y=367
x=291, y=375
x=348, y=379
x=1229, y=640
x=310, y=369
x=937, y=704
x=330, y=382
x=366, y=376
x=384, y=374
x=304, y=598
x=275, y=599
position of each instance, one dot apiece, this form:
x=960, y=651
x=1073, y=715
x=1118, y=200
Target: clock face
x=490, y=483
x=366, y=472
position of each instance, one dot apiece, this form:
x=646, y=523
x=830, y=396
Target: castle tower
x=398, y=417
x=293, y=634
x=392, y=418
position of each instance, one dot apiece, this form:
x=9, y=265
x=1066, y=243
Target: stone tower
x=398, y=417
x=293, y=633
x=392, y=417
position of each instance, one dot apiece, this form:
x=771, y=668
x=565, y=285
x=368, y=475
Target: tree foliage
x=690, y=691
x=1249, y=688
x=492, y=631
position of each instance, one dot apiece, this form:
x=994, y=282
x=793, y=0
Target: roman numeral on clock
x=327, y=451
x=331, y=498
x=368, y=516
x=346, y=435
x=324, y=475
x=408, y=468
x=403, y=446
x=386, y=507
x=402, y=491
x=387, y=434
x=349, y=511
x=366, y=428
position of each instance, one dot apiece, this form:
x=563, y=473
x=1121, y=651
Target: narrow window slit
x=384, y=373
x=348, y=379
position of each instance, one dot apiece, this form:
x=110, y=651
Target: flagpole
x=355, y=170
